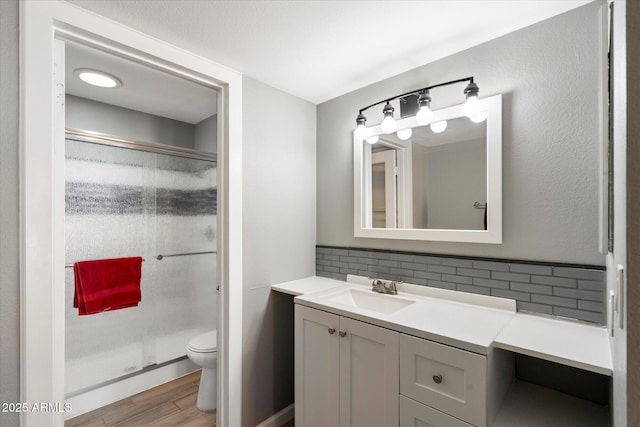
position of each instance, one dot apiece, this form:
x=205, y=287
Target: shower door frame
x=43, y=27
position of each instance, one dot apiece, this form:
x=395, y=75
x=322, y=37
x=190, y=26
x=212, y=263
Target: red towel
x=107, y=284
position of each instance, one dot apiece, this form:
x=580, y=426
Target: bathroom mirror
x=420, y=184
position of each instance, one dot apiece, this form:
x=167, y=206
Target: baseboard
x=129, y=386
x=280, y=418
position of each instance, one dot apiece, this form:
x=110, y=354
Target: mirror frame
x=362, y=182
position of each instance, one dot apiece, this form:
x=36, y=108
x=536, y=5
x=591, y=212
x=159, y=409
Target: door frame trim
x=42, y=196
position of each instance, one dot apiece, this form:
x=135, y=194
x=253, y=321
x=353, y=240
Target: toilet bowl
x=203, y=351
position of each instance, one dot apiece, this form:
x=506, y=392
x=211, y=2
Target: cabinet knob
x=343, y=334
x=332, y=331
x=437, y=379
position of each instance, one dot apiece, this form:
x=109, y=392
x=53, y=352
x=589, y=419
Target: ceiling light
x=97, y=78
x=439, y=127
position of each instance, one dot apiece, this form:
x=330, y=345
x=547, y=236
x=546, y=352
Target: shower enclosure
x=123, y=202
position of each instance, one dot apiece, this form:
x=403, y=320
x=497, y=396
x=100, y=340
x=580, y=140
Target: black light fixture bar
x=416, y=92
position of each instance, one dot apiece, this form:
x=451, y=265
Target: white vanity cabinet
x=350, y=373
x=346, y=371
x=446, y=359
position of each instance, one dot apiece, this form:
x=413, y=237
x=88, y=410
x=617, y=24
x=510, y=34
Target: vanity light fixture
x=97, y=78
x=424, y=116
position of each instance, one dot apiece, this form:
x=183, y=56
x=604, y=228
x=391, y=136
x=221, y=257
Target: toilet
x=203, y=351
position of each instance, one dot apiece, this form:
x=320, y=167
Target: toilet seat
x=204, y=343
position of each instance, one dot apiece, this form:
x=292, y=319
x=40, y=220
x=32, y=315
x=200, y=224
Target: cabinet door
x=414, y=414
x=369, y=384
x=316, y=368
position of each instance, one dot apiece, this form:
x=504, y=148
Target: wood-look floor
x=168, y=405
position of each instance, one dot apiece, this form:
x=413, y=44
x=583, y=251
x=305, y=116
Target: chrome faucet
x=382, y=288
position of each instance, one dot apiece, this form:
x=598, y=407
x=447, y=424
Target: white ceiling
x=318, y=50
x=143, y=89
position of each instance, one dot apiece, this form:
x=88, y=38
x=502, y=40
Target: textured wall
x=548, y=76
x=278, y=238
x=9, y=267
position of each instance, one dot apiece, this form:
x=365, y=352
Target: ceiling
x=318, y=50
x=143, y=89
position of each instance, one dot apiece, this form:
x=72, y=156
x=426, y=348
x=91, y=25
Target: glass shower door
x=120, y=203
x=184, y=295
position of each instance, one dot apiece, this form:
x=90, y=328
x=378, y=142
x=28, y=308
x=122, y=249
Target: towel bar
x=71, y=265
x=160, y=257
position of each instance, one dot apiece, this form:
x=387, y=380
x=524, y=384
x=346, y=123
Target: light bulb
x=439, y=127
x=360, y=129
x=388, y=125
x=480, y=117
x=359, y=132
x=471, y=106
x=404, y=134
x=373, y=139
x=424, y=116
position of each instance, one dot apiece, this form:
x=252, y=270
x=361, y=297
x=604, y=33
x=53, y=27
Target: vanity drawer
x=414, y=414
x=448, y=379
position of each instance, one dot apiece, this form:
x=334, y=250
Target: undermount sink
x=368, y=300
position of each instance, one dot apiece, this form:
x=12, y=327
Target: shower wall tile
x=563, y=290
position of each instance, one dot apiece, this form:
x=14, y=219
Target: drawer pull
x=332, y=331
x=437, y=379
x=343, y=334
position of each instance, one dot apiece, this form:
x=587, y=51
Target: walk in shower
x=125, y=200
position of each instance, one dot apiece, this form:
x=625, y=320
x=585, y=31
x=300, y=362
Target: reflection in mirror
x=441, y=181
x=449, y=168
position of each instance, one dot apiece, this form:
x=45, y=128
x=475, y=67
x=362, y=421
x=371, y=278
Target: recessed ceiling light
x=97, y=78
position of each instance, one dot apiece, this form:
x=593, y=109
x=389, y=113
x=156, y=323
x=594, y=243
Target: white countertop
x=563, y=341
x=307, y=285
x=471, y=322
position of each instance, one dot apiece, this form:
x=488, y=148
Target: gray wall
x=456, y=179
x=9, y=269
x=279, y=217
x=96, y=116
x=206, y=136
x=548, y=76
